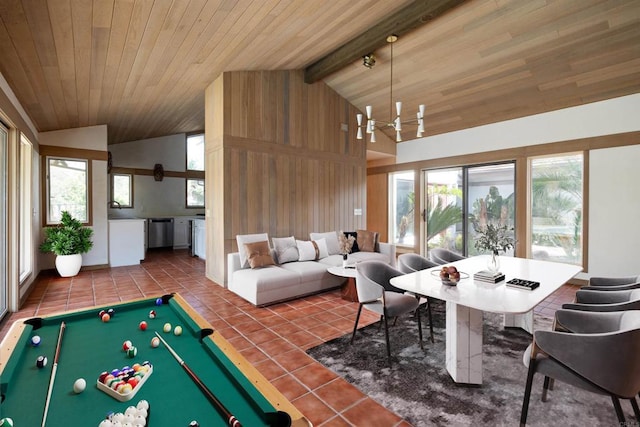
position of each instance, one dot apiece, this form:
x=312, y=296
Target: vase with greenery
x=68, y=240
x=493, y=238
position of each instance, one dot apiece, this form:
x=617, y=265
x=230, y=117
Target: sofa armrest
x=388, y=249
x=233, y=264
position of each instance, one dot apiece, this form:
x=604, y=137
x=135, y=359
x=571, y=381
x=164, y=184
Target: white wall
x=614, y=196
x=88, y=138
x=153, y=198
x=608, y=117
x=614, y=211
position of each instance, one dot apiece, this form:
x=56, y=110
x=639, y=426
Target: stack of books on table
x=488, y=276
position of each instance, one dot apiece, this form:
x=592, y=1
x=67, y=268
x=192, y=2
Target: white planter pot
x=68, y=265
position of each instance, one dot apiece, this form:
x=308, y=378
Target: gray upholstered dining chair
x=596, y=300
x=410, y=263
x=376, y=294
x=613, y=283
x=598, y=355
x=444, y=256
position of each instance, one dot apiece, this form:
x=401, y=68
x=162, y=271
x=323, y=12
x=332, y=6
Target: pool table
x=90, y=346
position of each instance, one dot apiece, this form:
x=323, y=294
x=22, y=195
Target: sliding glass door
x=458, y=200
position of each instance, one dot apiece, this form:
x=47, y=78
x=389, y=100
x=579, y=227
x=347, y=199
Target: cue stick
x=54, y=369
x=231, y=419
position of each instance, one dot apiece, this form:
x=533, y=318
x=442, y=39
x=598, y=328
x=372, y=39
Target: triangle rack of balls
x=122, y=384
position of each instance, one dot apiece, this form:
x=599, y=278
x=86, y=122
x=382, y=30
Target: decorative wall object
x=158, y=172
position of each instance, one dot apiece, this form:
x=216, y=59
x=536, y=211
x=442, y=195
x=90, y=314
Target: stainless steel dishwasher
x=159, y=232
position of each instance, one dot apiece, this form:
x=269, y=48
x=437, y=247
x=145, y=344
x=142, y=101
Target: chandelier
x=395, y=123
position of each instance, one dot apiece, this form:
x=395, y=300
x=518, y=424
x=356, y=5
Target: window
x=556, y=208
x=25, y=194
x=195, y=152
x=195, y=193
x=461, y=199
x=402, y=197
x=67, y=189
x=121, y=190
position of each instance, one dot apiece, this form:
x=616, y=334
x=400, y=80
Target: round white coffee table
x=348, y=290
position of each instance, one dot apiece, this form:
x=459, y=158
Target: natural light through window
x=67, y=189
x=122, y=190
x=195, y=152
x=195, y=193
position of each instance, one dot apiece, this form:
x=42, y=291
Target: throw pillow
x=258, y=254
x=331, y=237
x=241, y=239
x=355, y=248
x=367, y=240
x=286, y=249
x=312, y=250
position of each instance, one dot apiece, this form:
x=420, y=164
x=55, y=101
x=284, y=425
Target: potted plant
x=493, y=238
x=68, y=240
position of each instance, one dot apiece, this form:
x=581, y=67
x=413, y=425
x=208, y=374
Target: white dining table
x=466, y=302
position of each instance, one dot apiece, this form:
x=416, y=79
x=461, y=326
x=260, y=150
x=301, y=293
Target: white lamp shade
x=398, y=107
x=359, y=134
x=398, y=136
x=421, y=108
x=359, y=119
x=397, y=124
x=369, y=109
x=373, y=137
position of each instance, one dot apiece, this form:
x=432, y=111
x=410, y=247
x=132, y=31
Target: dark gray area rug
x=419, y=389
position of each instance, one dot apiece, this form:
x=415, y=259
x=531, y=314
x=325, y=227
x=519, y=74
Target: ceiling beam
x=399, y=23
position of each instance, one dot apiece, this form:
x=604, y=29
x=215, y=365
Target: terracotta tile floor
x=274, y=339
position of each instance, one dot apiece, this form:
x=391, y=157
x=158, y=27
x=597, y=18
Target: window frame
x=47, y=188
x=186, y=195
x=25, y=194
x=112, y=195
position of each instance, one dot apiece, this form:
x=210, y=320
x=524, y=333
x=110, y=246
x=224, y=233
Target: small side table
x=349, y=291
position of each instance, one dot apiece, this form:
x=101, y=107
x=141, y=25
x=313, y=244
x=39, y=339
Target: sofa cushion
x=331, y=238
x=258, y=254
x=241, y=239
x=265, y=278
x=367, y=240
x=308, y=270
x=311, y=250
x=368, y=256
x=286, y=249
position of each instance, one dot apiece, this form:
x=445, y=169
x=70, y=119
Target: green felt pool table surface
x=90, y=347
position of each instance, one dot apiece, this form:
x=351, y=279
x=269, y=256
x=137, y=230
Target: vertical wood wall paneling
x=288, y=170
x=217, y=195
x=377, y=205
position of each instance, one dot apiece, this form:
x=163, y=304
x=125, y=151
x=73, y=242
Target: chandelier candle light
x=396, y=123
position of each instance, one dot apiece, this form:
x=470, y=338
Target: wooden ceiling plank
x=101, y=32
x=81, y=12
x=405, y=20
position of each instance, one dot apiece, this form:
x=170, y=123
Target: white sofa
x=276, y=283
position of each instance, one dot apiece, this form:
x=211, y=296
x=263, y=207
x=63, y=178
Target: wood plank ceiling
x=141, y=66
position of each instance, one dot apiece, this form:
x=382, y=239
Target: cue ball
x=35, y=340
x=79, y=385
x=155, y=342
x=6, y=422
x=167, y=327
x=143, y=326
x=152, y=314
x=177, y=330
x=41, y=361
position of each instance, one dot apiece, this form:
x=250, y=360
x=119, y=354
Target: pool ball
x=159, y=301
x=105, y=317
x=143, y=326
x=132, y=352
x=79, y=385
x=41, y=361
x=177, y=330
x=167, y=327
x=155, y=342
x=143, y=404
x=6, y=422
x=101, y=313
x=35, y=340
x=127, y=345
x=152, y=314
x=194, y=424
x=111, y=312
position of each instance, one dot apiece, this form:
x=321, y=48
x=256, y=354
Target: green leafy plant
x=67, y=238
x=493, y=238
